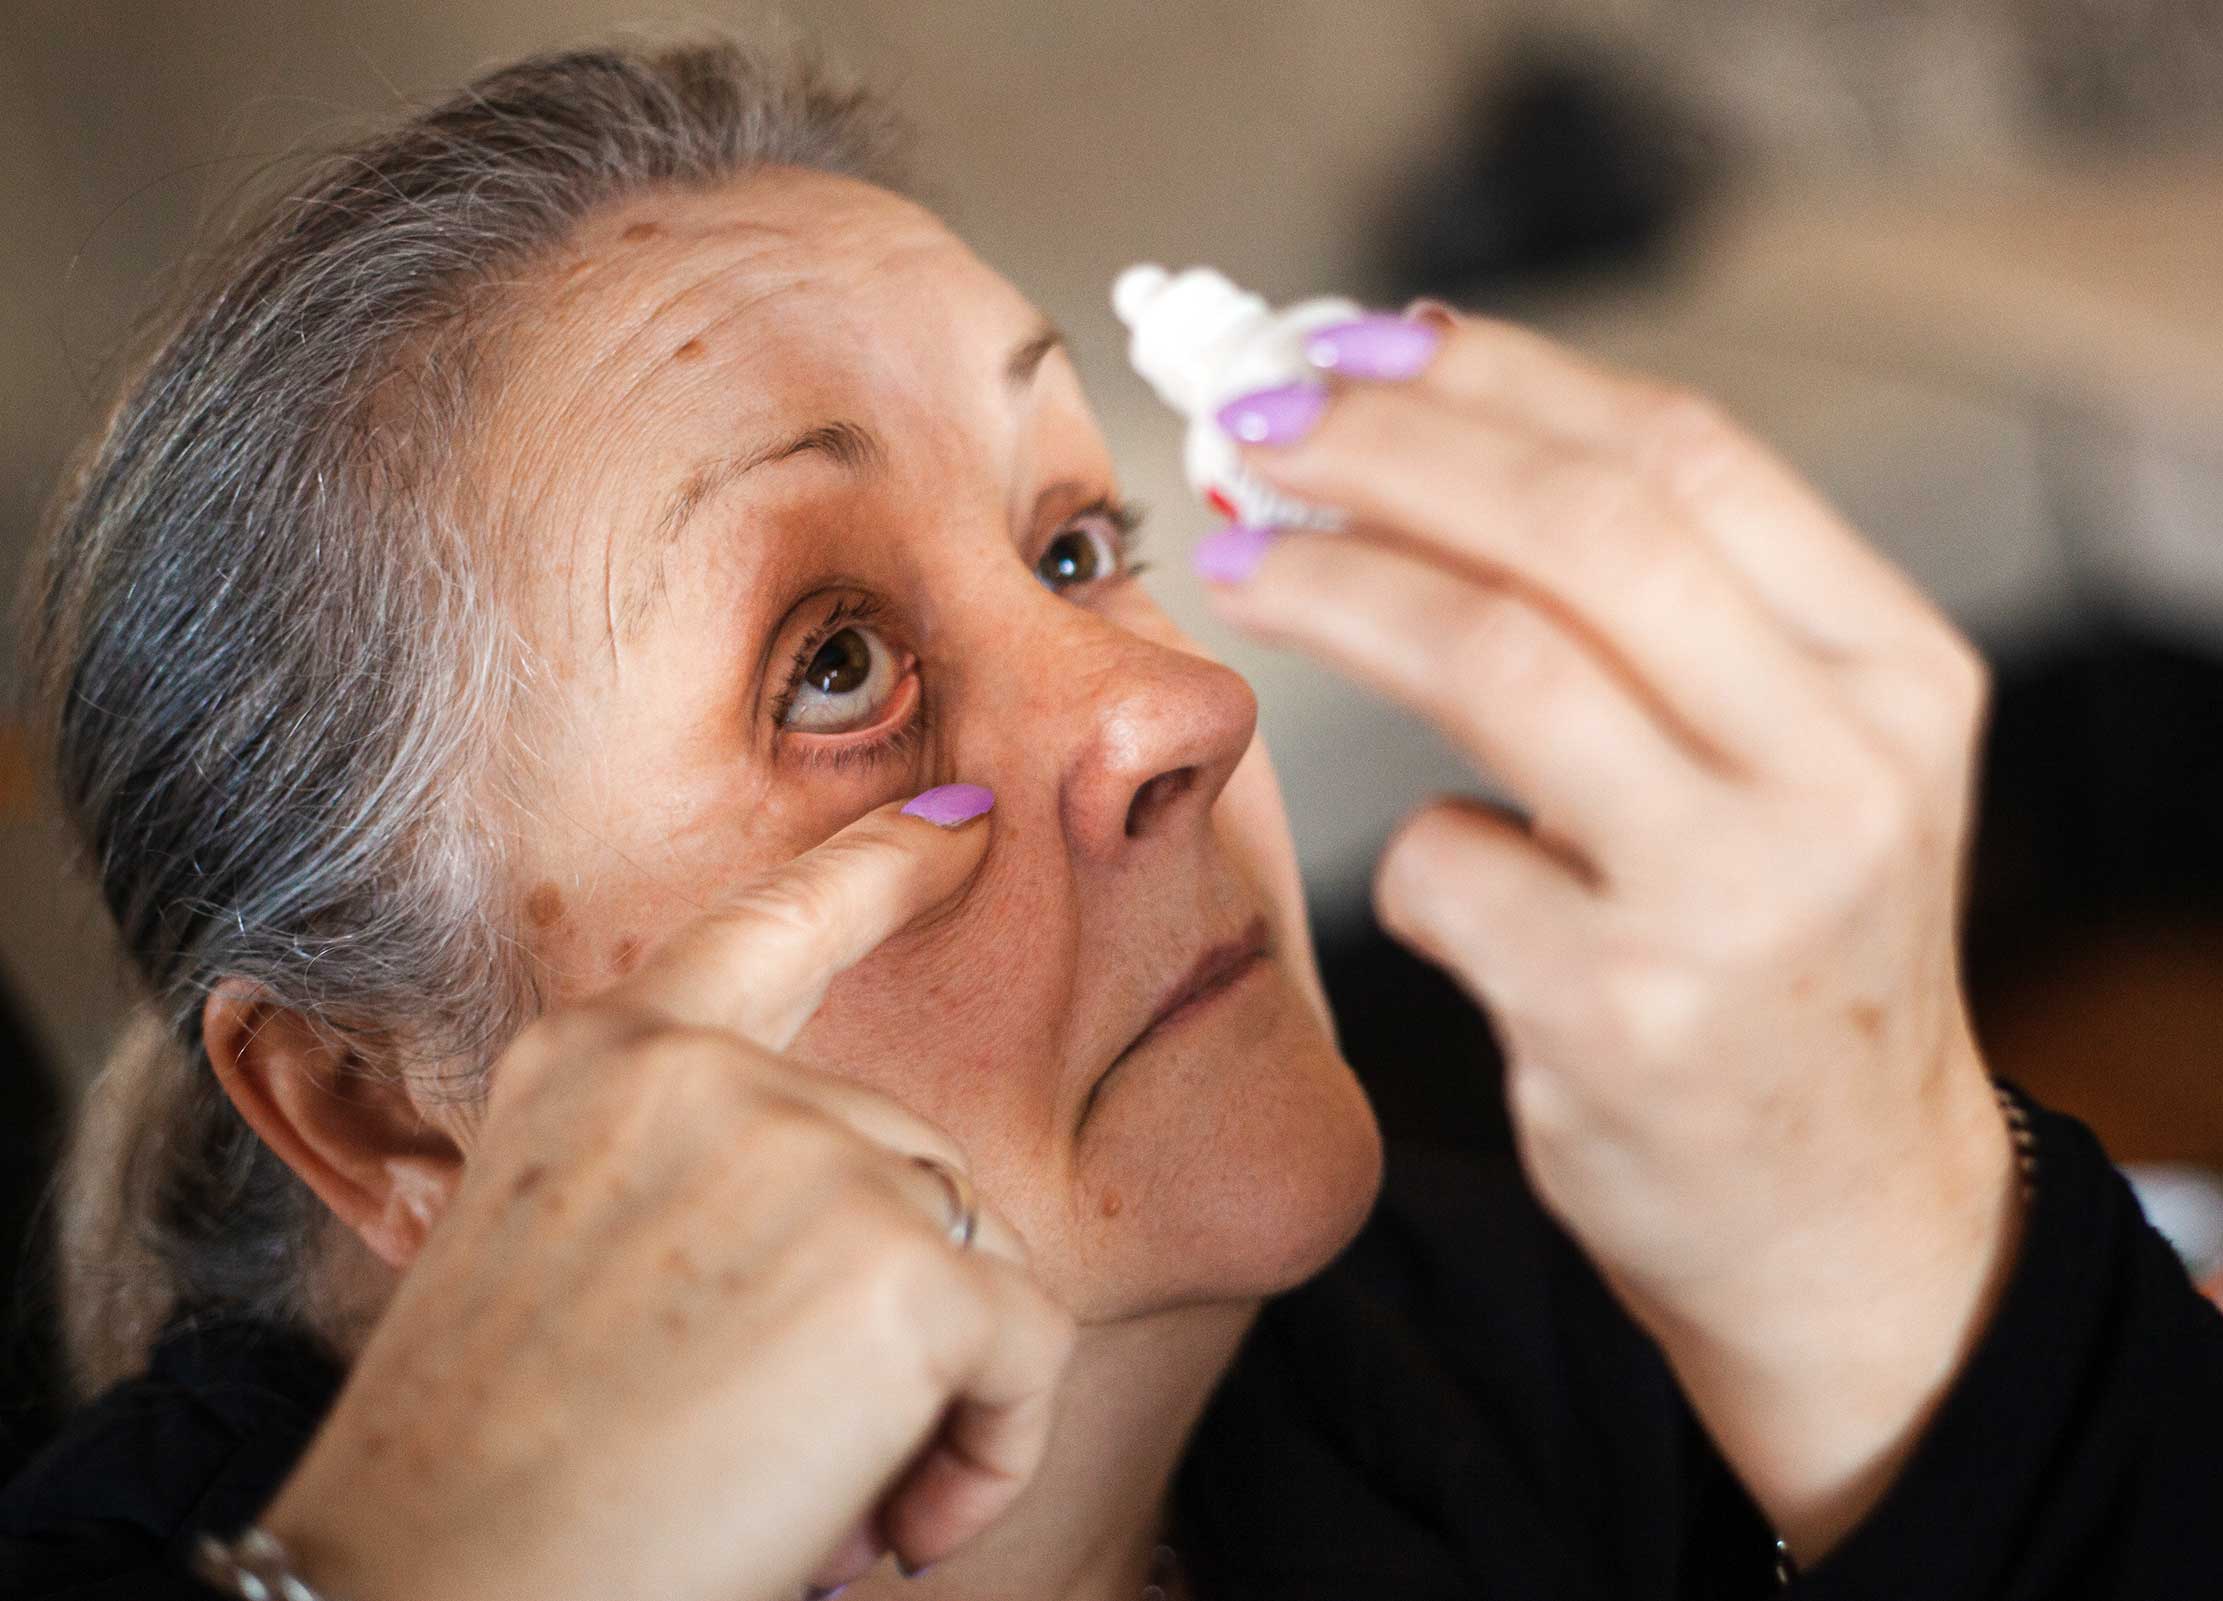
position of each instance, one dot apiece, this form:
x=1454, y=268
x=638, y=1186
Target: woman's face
x=814, y=516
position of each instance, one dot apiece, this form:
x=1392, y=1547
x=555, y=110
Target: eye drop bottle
x=1200, y=342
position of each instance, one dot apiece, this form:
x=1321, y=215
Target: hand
x=691, y=1325
x=1720, y=948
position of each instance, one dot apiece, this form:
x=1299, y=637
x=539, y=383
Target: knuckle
x=1878, y=822
x=1683, y=434
x=1968, y=683
x=1593, y=512
x=1654, y=1012
x=1495, y=650
x=898, y=1277
x=1409, y=877
x=793, y=1135
x=796, y=902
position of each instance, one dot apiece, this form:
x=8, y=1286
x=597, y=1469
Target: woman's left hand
x=1720, y=948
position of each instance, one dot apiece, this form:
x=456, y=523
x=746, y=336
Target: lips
x=1214, y=971
x=1217, y=969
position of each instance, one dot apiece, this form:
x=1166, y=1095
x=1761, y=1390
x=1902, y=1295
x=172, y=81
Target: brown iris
x=842, y=664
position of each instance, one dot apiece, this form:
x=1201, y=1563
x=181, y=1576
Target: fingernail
x=1380, y=347
x=950, y=804
x=1440, y=315
x=1278, y=416
x=1233, y=554
x=910, y=1572
x=814, y=1593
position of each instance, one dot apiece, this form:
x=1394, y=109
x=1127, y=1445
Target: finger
x=1804, y=563
x=1492, y=495
x=1517, y=692
x=1476, y=893
x=1012, y=1346
x=992, y=1233
x=761, y=964
x=889, y=1124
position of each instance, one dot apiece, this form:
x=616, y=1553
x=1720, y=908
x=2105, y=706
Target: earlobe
x=354, y=1137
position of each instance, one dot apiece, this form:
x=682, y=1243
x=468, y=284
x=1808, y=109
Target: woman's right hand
x=691, y=1325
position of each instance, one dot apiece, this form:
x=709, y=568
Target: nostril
x=1154, y=797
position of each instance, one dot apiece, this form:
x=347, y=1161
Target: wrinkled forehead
x=685, y=318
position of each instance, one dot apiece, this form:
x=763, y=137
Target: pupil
x=842, y=664
x=1072, y=559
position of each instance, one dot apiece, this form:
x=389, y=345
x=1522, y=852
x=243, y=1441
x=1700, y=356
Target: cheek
x=631, y=864
x=964, y=1021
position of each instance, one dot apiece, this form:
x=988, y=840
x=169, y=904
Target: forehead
x=685, y=328
x=786, y=277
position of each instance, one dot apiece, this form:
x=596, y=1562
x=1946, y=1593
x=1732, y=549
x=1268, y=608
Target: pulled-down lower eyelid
x=897, y=723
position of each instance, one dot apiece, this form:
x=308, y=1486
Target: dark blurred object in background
x=1424, y=1052
x=2095, y=929
x=30, y=1131
x=1569, y=167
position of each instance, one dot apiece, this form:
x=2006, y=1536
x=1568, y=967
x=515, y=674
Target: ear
x=357, y=1140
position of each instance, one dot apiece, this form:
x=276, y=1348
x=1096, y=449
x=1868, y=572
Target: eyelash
x=1126, y=519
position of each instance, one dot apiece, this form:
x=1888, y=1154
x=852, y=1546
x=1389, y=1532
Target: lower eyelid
x=903, y=724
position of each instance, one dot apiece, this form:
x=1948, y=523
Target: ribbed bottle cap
x=1177, y=322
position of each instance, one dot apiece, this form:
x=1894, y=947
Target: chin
x=1233, y=1163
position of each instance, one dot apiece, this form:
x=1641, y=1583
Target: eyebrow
x=1027, y=358
x=849, y=445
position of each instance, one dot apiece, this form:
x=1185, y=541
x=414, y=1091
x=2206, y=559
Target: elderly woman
x=732, y=1011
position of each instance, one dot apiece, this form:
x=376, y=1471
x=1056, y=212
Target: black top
x=1455, y=1408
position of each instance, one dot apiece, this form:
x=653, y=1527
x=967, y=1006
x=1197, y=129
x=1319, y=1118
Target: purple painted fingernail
x=1278, y=416
x=910, y=1572
x=1381, y=347
x=1233, y=554
x=950, y=804
x=814, y=1593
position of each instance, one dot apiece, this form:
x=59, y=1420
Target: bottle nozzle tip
x=1134, y=289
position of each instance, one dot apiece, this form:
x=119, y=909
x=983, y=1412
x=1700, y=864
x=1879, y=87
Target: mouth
x=1218, y=970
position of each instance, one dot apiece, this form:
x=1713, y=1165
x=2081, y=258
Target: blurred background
x=1956, y=258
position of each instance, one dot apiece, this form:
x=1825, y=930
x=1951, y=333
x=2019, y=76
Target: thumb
x=760, y=964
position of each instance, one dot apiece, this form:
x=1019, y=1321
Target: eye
x=1090, y=548
x=843, y=681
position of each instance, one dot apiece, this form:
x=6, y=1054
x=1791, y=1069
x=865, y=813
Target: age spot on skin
x=1113, y=1203
x=529, y=1180
x=544, y=905
x=625, y=955
x=1868, y=1019
x=639, y=232
x=692, y=350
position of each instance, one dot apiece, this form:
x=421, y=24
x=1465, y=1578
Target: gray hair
x=274, y=672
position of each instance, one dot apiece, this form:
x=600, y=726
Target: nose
x=1153, y=738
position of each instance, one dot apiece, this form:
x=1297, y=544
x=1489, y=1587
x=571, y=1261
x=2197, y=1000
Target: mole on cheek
x=626, y=954
x=544, y=905
x=639, y=232
x=692, y=350
x=1868, y=1019
x=1113, y=1204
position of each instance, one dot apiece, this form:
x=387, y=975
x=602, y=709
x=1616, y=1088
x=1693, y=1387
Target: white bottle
x=1201, y=342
